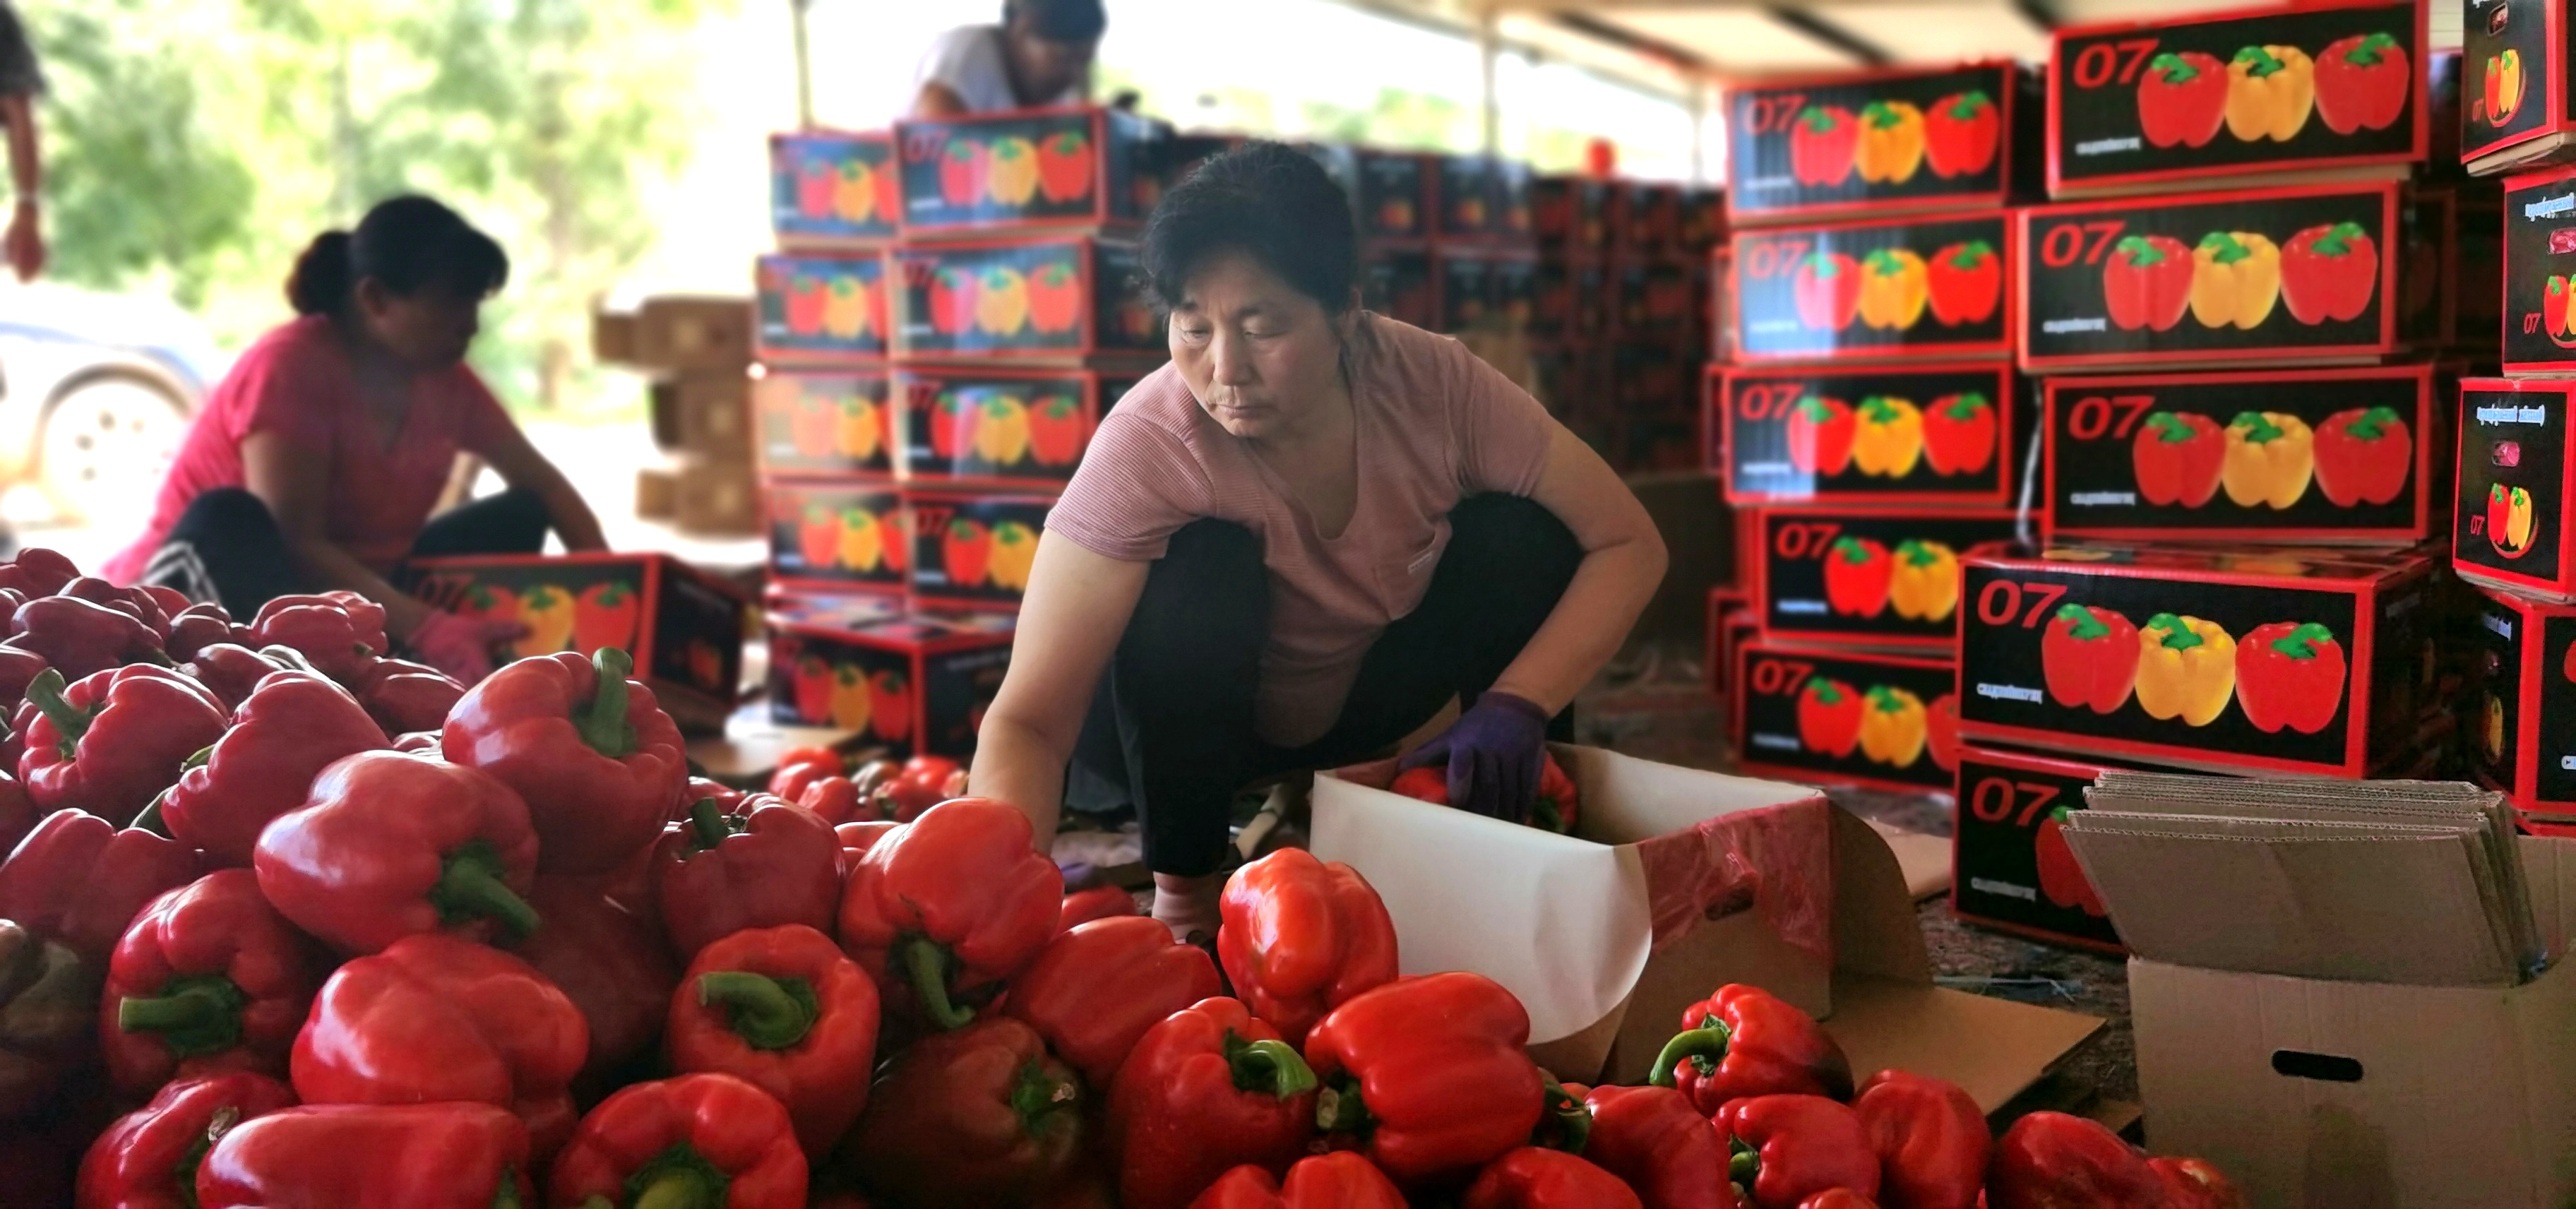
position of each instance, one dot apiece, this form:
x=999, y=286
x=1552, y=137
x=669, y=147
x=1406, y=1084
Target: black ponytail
x=406, y=244
x=321, y=282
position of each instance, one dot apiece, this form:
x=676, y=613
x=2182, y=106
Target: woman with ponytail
x=317, y=460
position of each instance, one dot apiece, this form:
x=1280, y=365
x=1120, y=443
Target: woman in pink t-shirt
x=317, y=460
x=1295, y=544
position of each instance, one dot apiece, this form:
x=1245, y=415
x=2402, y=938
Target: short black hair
x=1060, y=20
x=1268, y=201
x=409, y=244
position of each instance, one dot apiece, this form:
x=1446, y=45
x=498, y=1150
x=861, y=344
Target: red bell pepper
x=403, y=696
x=112, y=742
x=1930, y=1138
x=2178, y=458
x=37, y=571
x=2182, y=98
x=1559, y=804
x=1965, y=282
x=79, y=879
x=612, y=964
x=1093, y=991
x=1080, y=907
x=1820, y=432
x=1838, y=1198
x=78, y=638
x=1744, y=1041
x=2362, y=81
x=17, y=813
x=149, y=1158
x=1829, y=716
x=2194, y=1184
x=924, y=782
x=2289, y=674
x=782, y=1009
x=293, y=726
x=382, y=1156
x=2049, y=1160
x=1857, y=574
x=1301, y=937
x=2061, y=876
x=18, y=669
x=1826, y=290
x=1654, y=1138
x=194, y=629
x=600, y=764
x=337, y=638
x=857, y=838
x=209, y=979
x=1822, y=143
x=718, y=874
x=1428, y=1073
x=836, y=800
x=1205, y=1090
x=390, y=845
x=691, y=1142
x=48, y=1007
x=1536, y=1178
x=953, y=902
x=1788, y=1148
x=2146, y=281
x=137, y=603
x=802, y=766
x=2329, y=273
x=2088, y=657
x=976, y=1118
x=230, y=672
x=1960, y=133
x=1340, y=1180
x=2363, y=456
x=1959, y=434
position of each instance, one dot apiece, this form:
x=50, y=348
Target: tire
x=104, y=446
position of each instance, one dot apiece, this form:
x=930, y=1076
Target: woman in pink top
x=316, y=462
x=1296, y=543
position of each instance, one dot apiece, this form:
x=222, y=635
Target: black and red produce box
x=1874, y=290
x=2522, y=727
x=1395, y=195
x=1902, y=434
x=1882, y=140
x=2514, y=101
x=1571, y=213
x=2315, y=88
x=1086, y=167
x=837, y=534
x=1724, y=602
x=2289, y=660
x=973, y=550
x=1883, y=577
x=1654, y=300
x=2320, y=455
x=2451, y=290
x=821, y=308
x=914, y=683
x=1701, y=225
x=2540, y=273
x=2510, y=526
x=1819, y=714
x=1000, y=426
x=2240, y=277
x=1056, y=298
x=1398, y=283
x=2011, y=867
x=829, y=188
x=825, y=423
x=1482, y=197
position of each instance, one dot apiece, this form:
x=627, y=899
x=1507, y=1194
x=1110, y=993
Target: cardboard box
x=2510, y=525
x=2179, y=457
x=1481, y=198
x=1485, y=285
x=1846, y=717
x=1645, y=217
x=1056, y=298
x=2089, y=297
x=2539, y=254
x=1080, y=168
x=1398, y=283
x=1725, y=602
x=1571, y=214
x=2310, y=1092
x=1654, y=301
x=916, y=684
x=1702, y=224
x=2514, y=102
x=613, y=335
x=657, y=493
x=682, y=626
x=1937, y=434
x=822, y=309
x=827, y=425
x=1880, y=141
x=834, y=188
x=979, y=426
x=692, y=332
x=838, y=535
x=1884, y=577
x=2027, y=678
x=1608, y=934
x=971, y=550
x=716, y=497
x=2453, y=288
x=1395, y=196
x=2010, y=865
x=710, y=412
x=2119, y=120
x=2522, y=734
x=1903, y=287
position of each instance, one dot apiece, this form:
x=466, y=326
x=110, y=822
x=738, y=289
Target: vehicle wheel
x=106, y=444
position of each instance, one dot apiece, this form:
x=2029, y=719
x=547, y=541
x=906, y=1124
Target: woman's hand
x=1493, y=752
x=461, y=646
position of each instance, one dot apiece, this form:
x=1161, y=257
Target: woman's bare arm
x=296, y=487
x=1075, y=611
x=1623, y=563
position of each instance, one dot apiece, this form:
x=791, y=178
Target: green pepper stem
x=151, y=819
x=507, y=1195
x=1268, y=1066
x=471, y=888
x=1040, y=1092
x=926, y=965
x=603, y=726
x=1571, y=1117
x=69, y=720
x=1708, y=1044
x=760, y=1009
x=194, y=1016
x=1339, y=1108
x=678, y=1190
x=707, y=820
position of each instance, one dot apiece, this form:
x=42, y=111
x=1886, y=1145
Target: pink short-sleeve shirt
x=1435, y=424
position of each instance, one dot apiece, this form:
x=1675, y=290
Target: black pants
x=1171, y=729
x=227, y=547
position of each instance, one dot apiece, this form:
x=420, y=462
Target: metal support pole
x=1489, y=49
x=1699, y=129
x=796, y=10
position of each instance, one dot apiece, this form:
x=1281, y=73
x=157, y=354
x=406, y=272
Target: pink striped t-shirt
x=1435, y=424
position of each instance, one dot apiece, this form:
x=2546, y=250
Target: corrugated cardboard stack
x=697, y=352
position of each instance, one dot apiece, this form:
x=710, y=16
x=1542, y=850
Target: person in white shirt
x=1040, y=55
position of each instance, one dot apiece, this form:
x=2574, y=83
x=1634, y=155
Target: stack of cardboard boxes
x=696, y=353
x=1621, y=311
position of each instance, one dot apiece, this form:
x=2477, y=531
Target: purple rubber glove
x=462, y=646
x=1493, y=752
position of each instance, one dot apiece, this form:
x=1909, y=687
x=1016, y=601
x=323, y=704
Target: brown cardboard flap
x=1992, y=1048
x=1875, y=932
x=1924, y=859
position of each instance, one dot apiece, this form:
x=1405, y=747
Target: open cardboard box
x=1671, y=887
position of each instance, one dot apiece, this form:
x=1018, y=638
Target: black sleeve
x=19, y=75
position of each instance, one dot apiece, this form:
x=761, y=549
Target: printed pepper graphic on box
x=1895, y=285
x=1941, y=731
x=2179, y=458
x=1960, y=133
x=2270, y=455
x=1056, y=430
x=1820, y=435
x=2363, y=456
x=1011, y=171
x=1888, y=437
x=1959, y=434
x=961, y=171
x=2061, y=878
x=1857, y=575
x=1893, y=726
x=2361, y=83
x=1822, y=144
x=1064, y=167
x=2235, y=278
x=1827, y=289
x=2088, y=657
x=2553, y=308
x=2329, y=272
x=1964, y=283
x=859, y=428
x=2269, y=92
x=2186, y=669
x=1829, y=716
x=2147, y=282
x=1924, y=585
x=862, y=542
x=1891, y=142
x=966, y=551
x=2182, y=99
x=2511, y=523
x=2503, y=94
x=1055, y=297
x=2289, y=674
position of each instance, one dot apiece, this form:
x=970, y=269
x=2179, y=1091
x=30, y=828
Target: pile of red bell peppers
x=285, y=921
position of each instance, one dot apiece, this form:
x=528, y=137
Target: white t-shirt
x=968, y=61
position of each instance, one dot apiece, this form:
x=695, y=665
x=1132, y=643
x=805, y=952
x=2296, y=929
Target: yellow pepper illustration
x=1891, y=142
x=2270, y=90
x=2186, y=667
x=1894, y=286
x=2270, y=457
x=1892, y=726
x=1002, y=302
x=1888, y=439
x=2235, y=278
x=850, y=704
x=862, y=541
x=1015, y=550
x=1002, y=430
x=548, y=613
x=1011, y=174
x=1925, y=582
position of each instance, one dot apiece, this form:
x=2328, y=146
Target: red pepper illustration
x=1821, y=145
x=818, y=540
x=897, y=539
x=2089, y=657
x=945, y=412
x=813, y=689
x=2362, y=456
x=1056, y=430
x=1959, y=433
x=2146, y=282
x=1820, y=435
x=2510, y=521
x=2178, y=458
x=2504, y=87
x=2289, y=674
x=890, y=706
x=1967, y=280
x=808, y=300
x=2182, y=98
x=1960, y=132
x=967, y=551
x=1828, y=291
x=815, y=424
x=1064, y=167
x=1941, y=731
x=952, y=301
x=1829, y=716
x=2553, y=306
x=2329, y=272
x=961, y=172
x=2361, y=83
x=606, y=615
x=2060, y=877
x=1055, y=297
x=1857, y=574
x=815, y=184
